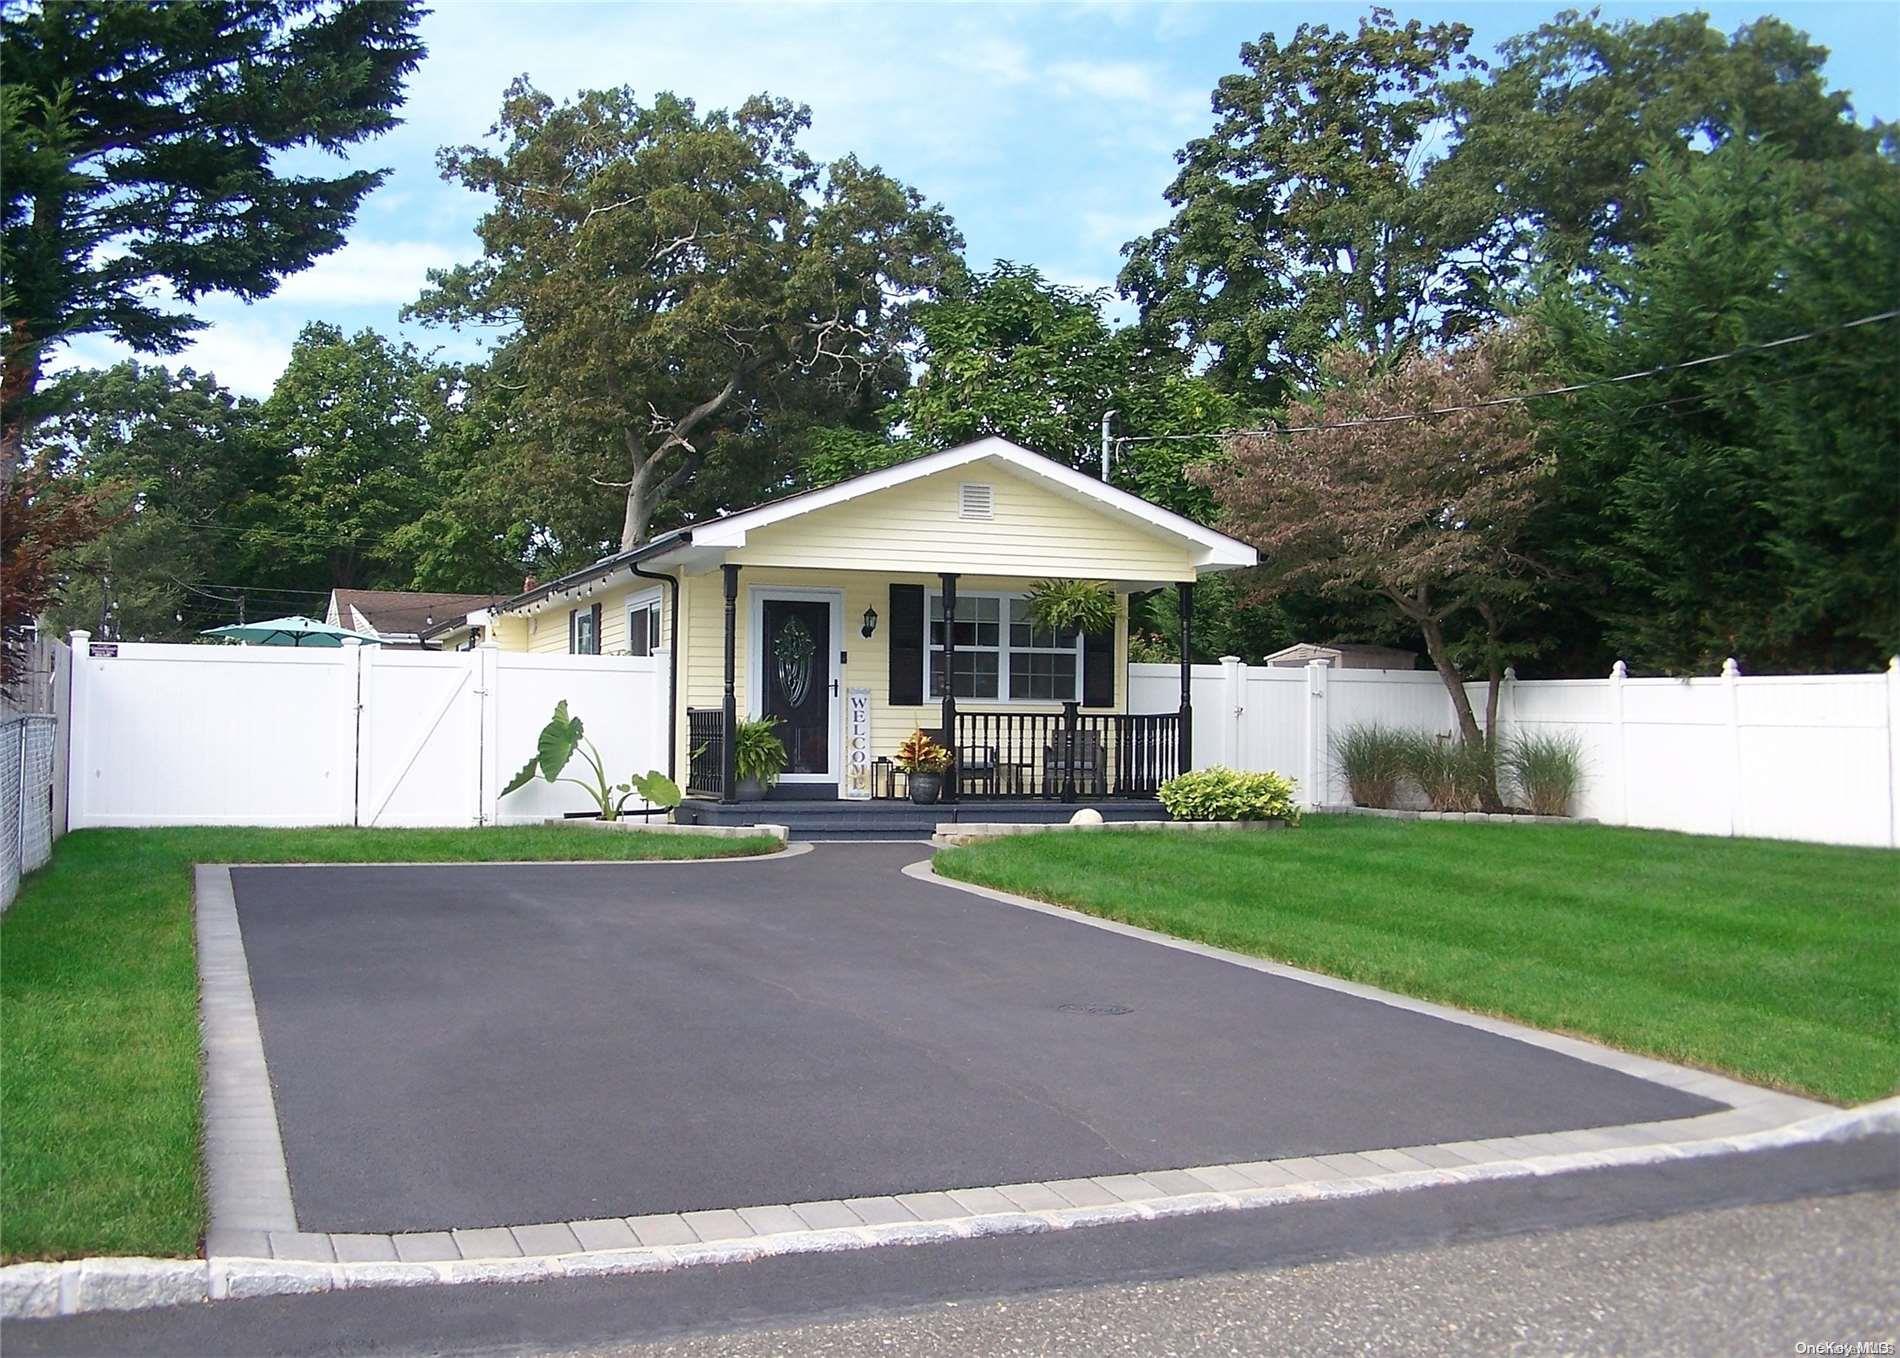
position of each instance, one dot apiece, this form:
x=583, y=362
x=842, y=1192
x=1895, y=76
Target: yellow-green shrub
x=1228, y=794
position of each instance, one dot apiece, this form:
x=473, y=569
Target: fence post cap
x=1510, y=672
x=1730, y=669
x=1619, y=670
x=80, y=637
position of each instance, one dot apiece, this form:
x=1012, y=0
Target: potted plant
x=561, y=739
x=926, y=762
x=1085, y=606
x=758, y=757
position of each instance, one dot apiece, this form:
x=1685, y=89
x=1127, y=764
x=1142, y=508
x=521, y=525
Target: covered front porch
x=1030, y=716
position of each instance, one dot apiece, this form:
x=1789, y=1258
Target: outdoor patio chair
x=1091, y=770
x=976, y=764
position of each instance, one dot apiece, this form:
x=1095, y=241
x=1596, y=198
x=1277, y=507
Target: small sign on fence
x=105, y=648
x=857, y=745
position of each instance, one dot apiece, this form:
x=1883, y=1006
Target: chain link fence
x=26, y=798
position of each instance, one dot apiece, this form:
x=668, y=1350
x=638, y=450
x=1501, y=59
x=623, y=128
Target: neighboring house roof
x=1346, y=655
x=1209, y=549
x=402, y=613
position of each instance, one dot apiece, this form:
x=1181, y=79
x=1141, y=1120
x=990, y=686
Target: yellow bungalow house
x=826, y=610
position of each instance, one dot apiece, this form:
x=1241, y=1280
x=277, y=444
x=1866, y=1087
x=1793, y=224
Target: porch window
x=979, y=637
x=1043, y=665
x=1001, y=655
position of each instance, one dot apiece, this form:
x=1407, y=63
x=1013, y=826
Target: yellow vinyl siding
x=1034, y=532
x=545, y=632
x=702, y=661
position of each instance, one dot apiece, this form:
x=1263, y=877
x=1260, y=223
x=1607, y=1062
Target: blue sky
x=1048, y=131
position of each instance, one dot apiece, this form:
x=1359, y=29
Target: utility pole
x=105, y=605
x=1107, y=443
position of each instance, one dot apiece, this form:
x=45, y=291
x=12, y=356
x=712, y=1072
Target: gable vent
x=976, y=501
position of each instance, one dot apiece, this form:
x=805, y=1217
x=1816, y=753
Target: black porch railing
x=1067, y=756
x=706, y=748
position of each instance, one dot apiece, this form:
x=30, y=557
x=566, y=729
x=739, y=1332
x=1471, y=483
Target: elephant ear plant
x=562, y=739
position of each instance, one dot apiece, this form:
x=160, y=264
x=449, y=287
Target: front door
x=796, y=682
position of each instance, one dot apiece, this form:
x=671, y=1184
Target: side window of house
x=583, y=631
x=643, y=628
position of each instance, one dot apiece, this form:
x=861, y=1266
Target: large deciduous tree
x=675, y=286
x=1007, y=352
x=167, y=456
x=1370, y=493
x=141, y=146
x=1555, y=139
x=352, y=419
x=1304, y=219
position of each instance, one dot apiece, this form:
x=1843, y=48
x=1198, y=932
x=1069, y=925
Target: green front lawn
x=99, y=1089
x=1775, y=962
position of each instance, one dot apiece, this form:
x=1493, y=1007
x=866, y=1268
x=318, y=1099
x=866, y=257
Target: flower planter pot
x=925, y=788
x=749, y=790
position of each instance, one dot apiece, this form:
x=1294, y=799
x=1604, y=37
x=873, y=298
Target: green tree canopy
x=167, y=455
x=1749, y=507
x=678, y=291
x=141, y=142
x=352, y=418
x=1303, y=220
x=1553, y=141
x=1009, y=353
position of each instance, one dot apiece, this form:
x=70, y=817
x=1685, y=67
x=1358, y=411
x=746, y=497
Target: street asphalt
x=469, y=1046
x=1742, y=1280
x=1493, y=1265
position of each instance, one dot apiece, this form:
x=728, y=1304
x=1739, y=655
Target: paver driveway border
x=255, y=1249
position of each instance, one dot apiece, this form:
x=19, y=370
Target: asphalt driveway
x=489, y=1045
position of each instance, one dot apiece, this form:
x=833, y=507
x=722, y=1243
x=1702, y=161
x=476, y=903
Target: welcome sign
x=857, y=745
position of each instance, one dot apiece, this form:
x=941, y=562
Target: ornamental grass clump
x=1451, y=773
x=1546, y=769
x=1227, y=794
x=1373, y=759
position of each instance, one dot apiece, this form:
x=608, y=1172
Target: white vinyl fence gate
x=354, y=735
x=1808, y=756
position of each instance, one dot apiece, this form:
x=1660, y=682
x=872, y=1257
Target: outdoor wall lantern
x=870, y=621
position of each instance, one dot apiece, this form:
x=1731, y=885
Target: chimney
x=529, y=584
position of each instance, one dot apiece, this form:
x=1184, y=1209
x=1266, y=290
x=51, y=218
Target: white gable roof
x=1209, y=550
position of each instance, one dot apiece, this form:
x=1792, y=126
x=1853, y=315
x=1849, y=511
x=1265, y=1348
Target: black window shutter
x=1098, y=669
x=572, y=615
x=595, y=649
x=907, y=645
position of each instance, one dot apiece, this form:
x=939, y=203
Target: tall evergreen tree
x=141, y=141
x=1749, y=507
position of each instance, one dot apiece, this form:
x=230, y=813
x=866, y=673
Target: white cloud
x=245, y=352
x=1125, y=80
x=368, y=273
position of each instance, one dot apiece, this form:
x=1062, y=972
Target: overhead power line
x=1570, y=389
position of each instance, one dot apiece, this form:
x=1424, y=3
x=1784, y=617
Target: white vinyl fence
x=356, y=735
x=1814, y=757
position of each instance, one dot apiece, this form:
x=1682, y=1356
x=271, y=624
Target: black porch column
x=729, y=744
x=949, y=579
x=1186, y=737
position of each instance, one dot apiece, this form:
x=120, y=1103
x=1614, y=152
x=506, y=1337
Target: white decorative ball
x=1088, y=815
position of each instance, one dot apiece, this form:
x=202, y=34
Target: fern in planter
x=758, y=755
x=1084, y=606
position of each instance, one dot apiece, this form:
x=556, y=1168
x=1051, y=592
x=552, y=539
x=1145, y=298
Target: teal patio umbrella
x=291, y=631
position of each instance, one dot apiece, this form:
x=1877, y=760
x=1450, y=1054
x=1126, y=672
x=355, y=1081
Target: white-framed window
x=583, y=631
x=1000, y=655
x=643, y=624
